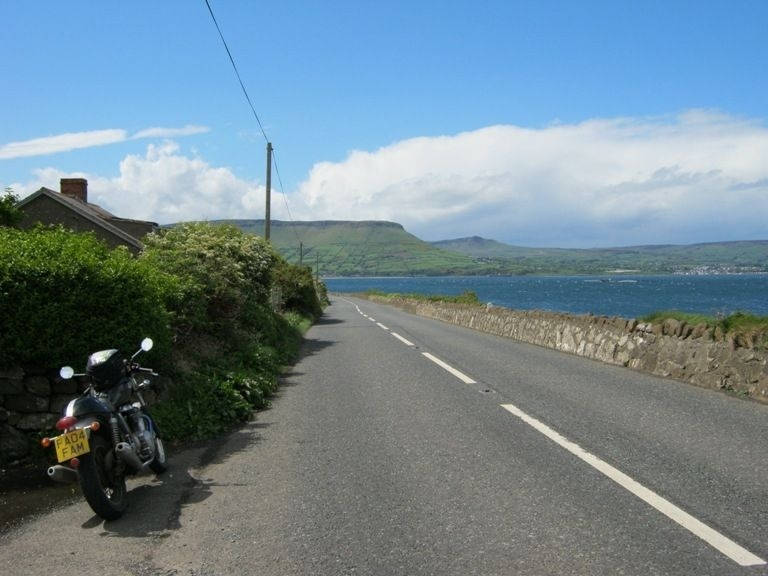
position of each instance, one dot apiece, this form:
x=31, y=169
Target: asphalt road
x=399, y=445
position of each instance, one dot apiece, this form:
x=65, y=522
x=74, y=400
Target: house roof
x=91, y=212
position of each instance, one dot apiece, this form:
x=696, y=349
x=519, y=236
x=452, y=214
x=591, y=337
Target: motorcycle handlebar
x=137, y=368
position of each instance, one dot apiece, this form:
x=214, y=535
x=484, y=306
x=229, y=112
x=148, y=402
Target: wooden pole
x=269, y=192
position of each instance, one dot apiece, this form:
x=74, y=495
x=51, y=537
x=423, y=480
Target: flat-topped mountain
x=380, y=248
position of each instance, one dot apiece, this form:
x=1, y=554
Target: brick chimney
x=76, y=188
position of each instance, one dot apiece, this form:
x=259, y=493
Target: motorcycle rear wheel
x=106, y=494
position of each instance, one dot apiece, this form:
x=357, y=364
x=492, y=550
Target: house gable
x=50, y=207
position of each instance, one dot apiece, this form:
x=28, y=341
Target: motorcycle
x=107, y=434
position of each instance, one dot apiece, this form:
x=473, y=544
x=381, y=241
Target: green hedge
x=204, y=287
x=64, y=295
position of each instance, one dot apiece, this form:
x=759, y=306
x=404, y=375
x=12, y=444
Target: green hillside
x=744, y=256
x=374, y=248
x=367, y=248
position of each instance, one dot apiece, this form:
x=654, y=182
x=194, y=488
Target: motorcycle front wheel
x=160, y=461
x=106, y=494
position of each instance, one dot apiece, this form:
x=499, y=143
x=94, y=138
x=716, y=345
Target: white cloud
x=61, y=143
x=166, y=186
x=699, y=176
x=157, y=132
x=78, y=140
x=694, y=177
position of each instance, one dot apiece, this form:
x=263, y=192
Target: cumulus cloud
x=696, y=176
x=77, y=140
x=163, y=185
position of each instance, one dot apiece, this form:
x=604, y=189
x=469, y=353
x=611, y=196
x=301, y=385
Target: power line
x=255, y=115
x=285, y=198
x=234, y=66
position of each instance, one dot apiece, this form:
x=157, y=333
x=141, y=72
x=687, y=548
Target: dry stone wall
x=31, y=401
x=673, y=349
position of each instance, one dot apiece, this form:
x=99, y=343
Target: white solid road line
x=460, y=375
x=724, y=545
x=403, y=340
x=380, y=325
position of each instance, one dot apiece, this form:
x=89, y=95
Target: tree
x=10, y=215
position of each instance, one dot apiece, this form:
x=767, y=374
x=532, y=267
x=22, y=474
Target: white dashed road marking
x=460, y=375
x=403, y=340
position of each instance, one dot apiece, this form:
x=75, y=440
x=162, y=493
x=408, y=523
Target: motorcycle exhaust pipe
x=128, y=454
x=63, y=474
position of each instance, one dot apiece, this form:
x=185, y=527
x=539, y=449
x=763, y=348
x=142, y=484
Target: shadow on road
x=323, y=321
x=155, y=507
x=314, y=346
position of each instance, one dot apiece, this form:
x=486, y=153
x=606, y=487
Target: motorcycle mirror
x=147, y=344
x=66, y=372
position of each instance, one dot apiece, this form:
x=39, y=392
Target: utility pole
x=301, y=253
x=269, y=192
x=317, y=267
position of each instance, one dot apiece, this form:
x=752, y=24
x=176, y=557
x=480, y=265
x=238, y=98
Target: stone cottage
x=71, y=208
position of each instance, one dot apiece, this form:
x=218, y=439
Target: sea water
x=627, y=296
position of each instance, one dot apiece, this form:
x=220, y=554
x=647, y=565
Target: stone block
x=59, y=386
x=14, y=445
x=42, y=421
x=27, y=403
x=38, y=385
x=12, y=373
x=9, y=386
x=699, y=331
x=745, y=340
x=622, y=357
x=35, y=371
x=670, y=327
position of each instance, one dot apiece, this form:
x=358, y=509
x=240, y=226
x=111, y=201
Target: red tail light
x=66, y=423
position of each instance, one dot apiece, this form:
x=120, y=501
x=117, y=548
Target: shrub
x=10, y=215
x=64, y=295
x=223, y=273
x=202, y=405
x=297, y=287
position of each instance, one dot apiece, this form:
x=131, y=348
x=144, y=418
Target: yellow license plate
x=72, y=444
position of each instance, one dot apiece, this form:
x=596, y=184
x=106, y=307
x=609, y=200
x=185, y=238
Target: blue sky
x=534, y=123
